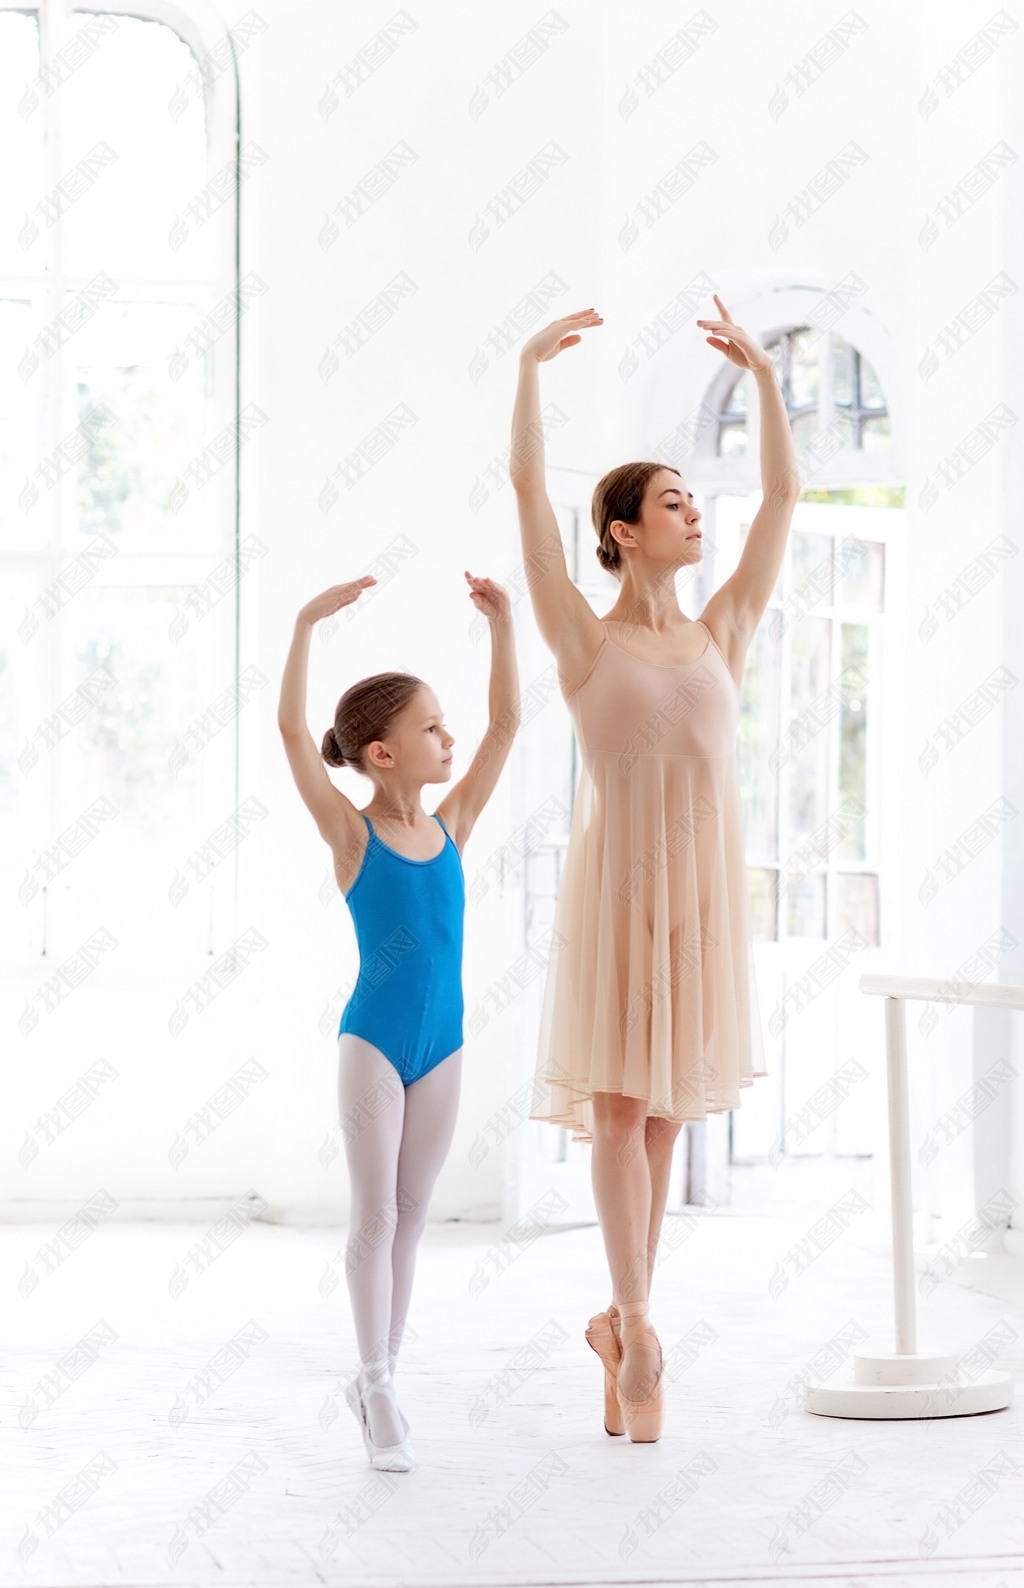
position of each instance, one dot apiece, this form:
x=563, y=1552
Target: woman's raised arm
x=563, y=615
x=738, y=606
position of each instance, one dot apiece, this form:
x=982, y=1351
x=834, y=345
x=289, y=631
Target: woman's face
x=670, y=518
x=668, y=529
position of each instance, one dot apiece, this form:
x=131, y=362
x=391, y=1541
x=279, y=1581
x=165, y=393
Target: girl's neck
x=401, y=811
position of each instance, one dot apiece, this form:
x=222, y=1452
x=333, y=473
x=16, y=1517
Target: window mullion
x=47, y=298
x=783, y=837
x=49, y=294
x=834, y=765
x=826, y=385
x=872, y=749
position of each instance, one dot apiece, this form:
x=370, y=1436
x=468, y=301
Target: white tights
x=396, y=1140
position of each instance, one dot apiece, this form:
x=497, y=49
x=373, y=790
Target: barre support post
x=899, y=1176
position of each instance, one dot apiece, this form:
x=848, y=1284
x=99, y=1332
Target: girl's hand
x=559, y=335
x=332, y=600
x=489, y=598
x=739, y=346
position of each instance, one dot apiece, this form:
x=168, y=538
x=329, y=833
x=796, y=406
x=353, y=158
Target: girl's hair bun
x=330, y=750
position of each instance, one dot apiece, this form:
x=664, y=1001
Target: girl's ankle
x=375, y=1375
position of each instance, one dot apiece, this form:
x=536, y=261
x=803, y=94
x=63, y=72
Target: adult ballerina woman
x=649, y=1016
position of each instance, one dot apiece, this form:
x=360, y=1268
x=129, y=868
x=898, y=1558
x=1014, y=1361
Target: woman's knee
x=619, y=1122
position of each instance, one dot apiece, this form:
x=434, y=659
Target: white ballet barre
x=907, y=1383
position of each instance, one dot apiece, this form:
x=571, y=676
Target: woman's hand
x=739, y=346
x=489, y=598
x=332, y=600
x=559, y=335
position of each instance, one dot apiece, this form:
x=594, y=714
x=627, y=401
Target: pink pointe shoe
x=643, y=1418
x=602, y=1335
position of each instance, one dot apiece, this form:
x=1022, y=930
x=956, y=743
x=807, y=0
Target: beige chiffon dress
x=650, y=987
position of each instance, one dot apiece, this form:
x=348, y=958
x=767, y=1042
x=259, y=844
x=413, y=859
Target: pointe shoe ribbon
x=601, y=1335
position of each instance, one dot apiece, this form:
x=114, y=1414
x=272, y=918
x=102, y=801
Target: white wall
x=587, y=98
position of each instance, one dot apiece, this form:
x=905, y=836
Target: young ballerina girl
x=400, y=1038
x=649, y=1015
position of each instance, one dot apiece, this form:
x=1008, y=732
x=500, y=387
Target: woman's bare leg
x=659, y=1141
x=621, y=1177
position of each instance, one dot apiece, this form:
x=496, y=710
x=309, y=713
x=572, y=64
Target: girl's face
x=419, y=741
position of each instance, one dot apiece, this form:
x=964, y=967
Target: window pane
x=757, y=743
x=804, y=428
x=847, y=428
x=810, y=560
x=153, y=426
x=853, y=776
x=21, y=704
x=736, y=402
x=876, y=435
x=156, y=745
x=23, y=775
x=862, y=576
x=20, y=435
x=20, y=139
x=857, y=905
x=871, y=393
x=805, y=906
x=807, y=737
x=761, y=892
x=803, y=367
x=127, y=738
x=843, y=382
x=140, y=166
x=732, y=441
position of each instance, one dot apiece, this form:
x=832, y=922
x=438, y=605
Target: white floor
x=125, y=1465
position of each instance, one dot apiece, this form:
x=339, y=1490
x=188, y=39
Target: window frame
x=51, y=666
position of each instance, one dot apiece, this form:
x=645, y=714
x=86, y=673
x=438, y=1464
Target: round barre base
x=876, y=1397
x=894, y=1367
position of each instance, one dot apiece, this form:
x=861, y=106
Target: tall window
x=809, y=736
x=809, y=732
x=117, y=494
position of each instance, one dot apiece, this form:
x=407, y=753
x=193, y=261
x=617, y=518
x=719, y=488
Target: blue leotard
x=408, y=916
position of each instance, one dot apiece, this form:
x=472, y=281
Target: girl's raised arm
x=335, y=815
x=466, y=799
x=568, y=626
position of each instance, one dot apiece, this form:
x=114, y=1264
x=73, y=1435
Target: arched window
x=825, y=381
x=119, y=431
